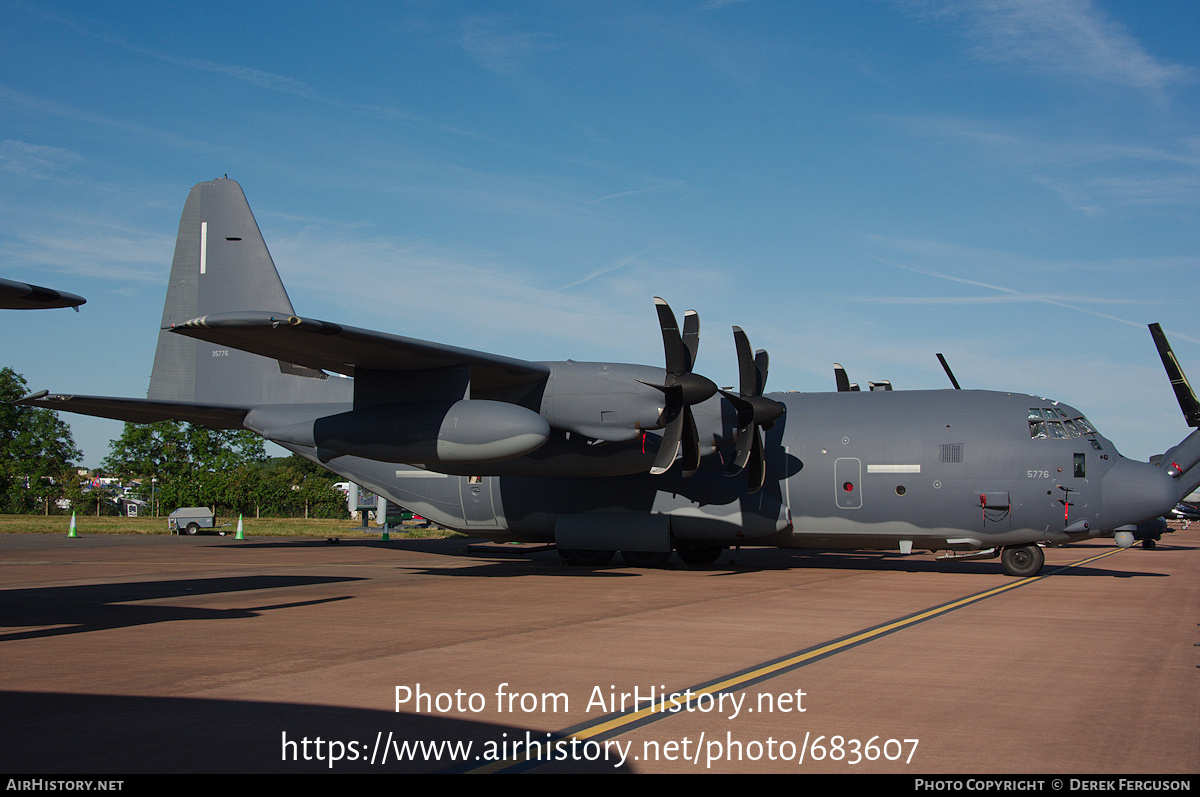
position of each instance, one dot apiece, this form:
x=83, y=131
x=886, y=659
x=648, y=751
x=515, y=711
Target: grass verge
x=251, y=527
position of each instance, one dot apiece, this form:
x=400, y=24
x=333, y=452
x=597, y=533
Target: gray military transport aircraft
x=606, y=457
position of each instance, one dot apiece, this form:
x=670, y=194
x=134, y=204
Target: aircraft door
x=847, y=482
x=1069, y=490
x=476, y=493
x=1072, y=489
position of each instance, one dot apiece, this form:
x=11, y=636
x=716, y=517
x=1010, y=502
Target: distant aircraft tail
x=222, y=265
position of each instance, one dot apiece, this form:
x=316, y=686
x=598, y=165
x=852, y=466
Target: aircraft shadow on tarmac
x=72, y=733
x=753, y=560
x=92, y=607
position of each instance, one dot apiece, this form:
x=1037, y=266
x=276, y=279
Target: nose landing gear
x=1022, y=561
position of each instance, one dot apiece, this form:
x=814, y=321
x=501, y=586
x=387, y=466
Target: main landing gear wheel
x=1149, y=542
x=700, y=554
x=1023, y=561
x=587, y=558
x=646, y=558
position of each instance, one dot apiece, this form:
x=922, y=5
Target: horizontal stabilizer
x=140, y=410
x=333, y=347
x=1183, y=457
x=1189, y=481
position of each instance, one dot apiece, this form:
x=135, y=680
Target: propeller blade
x=1179, y=381
x=681, y=390
x=669, y=448
x=761, y=361
x=691, y=334
x=689, y=445
x=747, y=378
x=756, y=470
x=754, y=412
x=679, y=359
x=743, y=450
x=949, y=373
x=839, y=376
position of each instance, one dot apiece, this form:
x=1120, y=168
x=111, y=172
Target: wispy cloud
x=494, y=307
x=34, y=160
x=1099, y=194
x=61, y=110
x=90, y=243
x=1028, y=148
x=608, y=270
x=500, y=45
x=1090, y=175
x=1068, y=37
x=713, y=5
x=1078, y=302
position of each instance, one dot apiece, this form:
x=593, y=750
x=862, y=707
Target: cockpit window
x=1055, y=423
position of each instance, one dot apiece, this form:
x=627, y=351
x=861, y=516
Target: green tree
x=36, y=450
x=175, y=448
x=294, y=487
x=192, y=465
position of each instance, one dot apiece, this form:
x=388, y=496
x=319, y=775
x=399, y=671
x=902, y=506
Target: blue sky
x=1013, y=183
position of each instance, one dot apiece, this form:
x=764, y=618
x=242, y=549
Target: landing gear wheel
x=646, y=558
x=1149, y=543
x=700, y=554
x=193, y=529
x=1023, y=561
x=587, y=558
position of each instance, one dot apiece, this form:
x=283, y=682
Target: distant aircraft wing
x=23, y=296
x=140, y=410
x=341, y=349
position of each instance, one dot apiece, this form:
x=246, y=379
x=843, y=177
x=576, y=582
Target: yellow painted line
x=743, y=679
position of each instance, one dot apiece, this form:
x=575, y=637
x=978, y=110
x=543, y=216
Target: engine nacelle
x=422, y=432
x=604, y=401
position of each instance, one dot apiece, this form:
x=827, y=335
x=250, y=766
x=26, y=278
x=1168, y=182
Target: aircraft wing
x=23, y=296
x=323, y=345
x=140, y=410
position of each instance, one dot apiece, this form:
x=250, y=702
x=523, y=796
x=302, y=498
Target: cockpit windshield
x=1055, y=423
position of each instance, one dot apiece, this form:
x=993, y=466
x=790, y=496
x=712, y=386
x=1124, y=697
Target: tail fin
x=221, y=265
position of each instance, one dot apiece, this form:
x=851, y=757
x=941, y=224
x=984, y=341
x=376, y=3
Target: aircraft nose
x=1136, y=491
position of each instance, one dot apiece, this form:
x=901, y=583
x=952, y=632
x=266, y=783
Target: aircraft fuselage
x=936, y=470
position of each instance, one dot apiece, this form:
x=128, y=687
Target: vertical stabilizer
x=222, y=265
